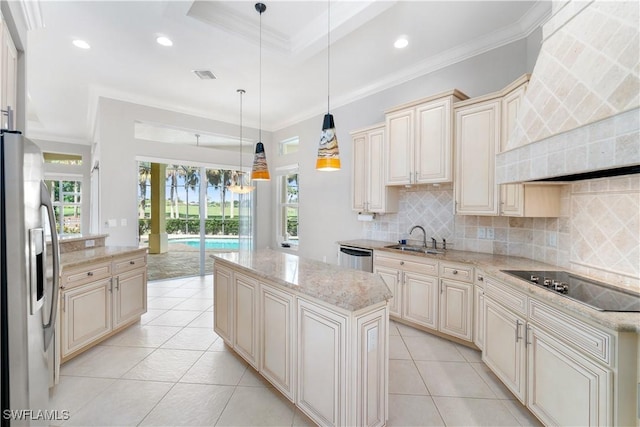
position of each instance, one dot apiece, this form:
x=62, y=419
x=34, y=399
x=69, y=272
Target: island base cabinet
x=565, y=388
x=321, y=364
x=332, y=363
x=245, y=333
x=277, y=311
x=371, y=356
x=223, y=298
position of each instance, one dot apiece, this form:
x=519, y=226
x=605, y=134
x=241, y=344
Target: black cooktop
x=597, y=295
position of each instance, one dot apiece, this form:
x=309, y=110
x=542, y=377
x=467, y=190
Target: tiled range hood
x=581, y=110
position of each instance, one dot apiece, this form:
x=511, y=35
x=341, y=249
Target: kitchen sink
x=418, y=249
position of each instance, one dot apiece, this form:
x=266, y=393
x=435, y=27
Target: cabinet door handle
x=111, y=285
x=401, y=262
x=132, y=262
x=526, y=338
x=518, y=324
x=455, y=271
x=480, y=279
x=90, y=273
x=117, y=283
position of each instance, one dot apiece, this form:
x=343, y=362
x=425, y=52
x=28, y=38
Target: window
x=62, y=159
x=288, y=207
x=66, y=199
x=289, y=145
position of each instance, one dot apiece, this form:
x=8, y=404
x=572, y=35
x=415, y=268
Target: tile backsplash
x=597, y=233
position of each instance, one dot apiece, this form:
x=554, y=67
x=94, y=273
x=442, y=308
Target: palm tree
x=191, y=180
x=144, y=175
x=172, y=175
x=220, y=179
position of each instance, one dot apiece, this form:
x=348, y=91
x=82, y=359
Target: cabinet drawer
x=506, y=295
x=463, y=273
x=595, y=342
x=125, y=264
x=408, y=263
x=87, y=274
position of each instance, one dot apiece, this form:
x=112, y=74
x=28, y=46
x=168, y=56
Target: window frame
x=282, y=205
x=61, y=204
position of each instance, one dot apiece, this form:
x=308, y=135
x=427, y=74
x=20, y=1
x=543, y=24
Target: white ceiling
x=125, y=62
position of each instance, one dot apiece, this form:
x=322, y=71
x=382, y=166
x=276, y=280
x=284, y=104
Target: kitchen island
x=317, y=332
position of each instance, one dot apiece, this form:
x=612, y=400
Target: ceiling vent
x=204, y=74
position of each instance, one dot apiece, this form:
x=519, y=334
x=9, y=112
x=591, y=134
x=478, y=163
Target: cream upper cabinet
x=483, y=127
x=418, y=144
x=477, y=138
x=511, y=195
x=369, y=193
x=8, y=72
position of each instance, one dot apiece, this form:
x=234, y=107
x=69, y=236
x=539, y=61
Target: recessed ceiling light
x=81, y=44
x=401, y=43
x=164, y=41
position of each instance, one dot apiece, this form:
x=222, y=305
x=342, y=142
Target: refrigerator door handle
x=49, y=327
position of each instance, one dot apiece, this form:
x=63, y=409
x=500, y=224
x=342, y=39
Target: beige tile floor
x=171, y=369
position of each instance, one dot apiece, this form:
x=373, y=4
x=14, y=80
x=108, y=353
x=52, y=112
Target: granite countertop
x=345, y=288
x=491, y=265
x=105, y=253
x=75, y=238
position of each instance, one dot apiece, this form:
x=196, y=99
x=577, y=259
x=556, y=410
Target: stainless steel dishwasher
x=356, y=258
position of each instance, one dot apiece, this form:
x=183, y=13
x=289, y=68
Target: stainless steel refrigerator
x=29, y=282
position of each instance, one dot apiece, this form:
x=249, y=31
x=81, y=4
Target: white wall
x=118, y=152
x=325, y=214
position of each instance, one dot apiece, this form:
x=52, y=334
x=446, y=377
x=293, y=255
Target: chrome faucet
x=424, y=234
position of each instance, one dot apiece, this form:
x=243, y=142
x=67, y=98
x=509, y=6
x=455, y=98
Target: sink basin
x=419, y=249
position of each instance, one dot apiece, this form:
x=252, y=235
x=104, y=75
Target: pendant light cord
x=240, y=91
x=328, y=53
x=260, y=85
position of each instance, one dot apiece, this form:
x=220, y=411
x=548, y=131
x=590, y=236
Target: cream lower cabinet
x=331, y=363
x=564, y=387
x=86, y=315
x=565, y=370
x=504, y=350
x=414, y=284
x=420, y=299
x=426, y=294
x=129, y=296
x=99, y=299
x=478, y=310
x=456, y=309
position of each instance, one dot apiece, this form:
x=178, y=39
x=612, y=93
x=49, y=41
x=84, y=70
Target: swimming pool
x=210, y=243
